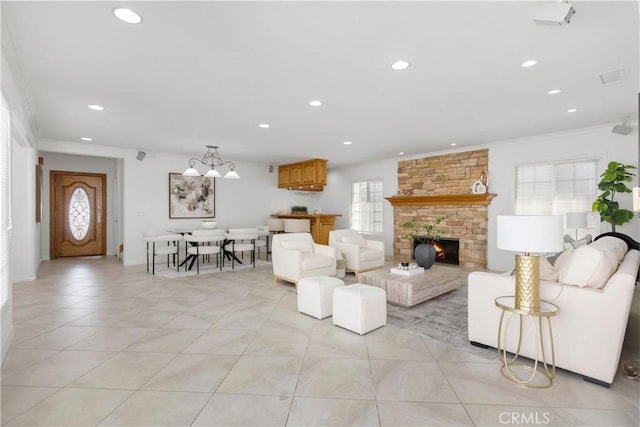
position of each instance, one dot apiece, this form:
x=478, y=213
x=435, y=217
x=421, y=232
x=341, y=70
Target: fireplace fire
x=447, y=250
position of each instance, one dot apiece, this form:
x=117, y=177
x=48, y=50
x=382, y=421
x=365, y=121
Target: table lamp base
x=527, y=281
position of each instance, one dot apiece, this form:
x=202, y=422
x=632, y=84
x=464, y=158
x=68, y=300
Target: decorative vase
x=425, y=255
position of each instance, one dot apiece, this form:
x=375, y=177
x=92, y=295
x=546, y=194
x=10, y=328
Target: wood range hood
x=441, y=199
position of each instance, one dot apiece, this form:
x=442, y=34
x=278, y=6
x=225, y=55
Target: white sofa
x=295, y=255
x=360, y=254
x=590, y=326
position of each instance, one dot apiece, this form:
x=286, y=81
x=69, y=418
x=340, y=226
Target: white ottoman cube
x=359, y=308
x=315, y=295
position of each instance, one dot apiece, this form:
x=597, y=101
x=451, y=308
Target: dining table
x=190, y=259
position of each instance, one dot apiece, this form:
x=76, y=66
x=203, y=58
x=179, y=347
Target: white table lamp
x=529, y=234
x=577, y=220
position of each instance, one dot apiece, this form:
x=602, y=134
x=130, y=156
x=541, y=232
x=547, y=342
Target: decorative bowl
x=208, y=225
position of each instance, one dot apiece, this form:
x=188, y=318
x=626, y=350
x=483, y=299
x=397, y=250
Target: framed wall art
x=191, y=196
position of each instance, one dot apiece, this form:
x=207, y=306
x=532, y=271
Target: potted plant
x=424, y=233
x=614, y=180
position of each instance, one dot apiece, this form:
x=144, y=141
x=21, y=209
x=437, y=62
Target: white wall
x=144, y=199
x=25, y=249
x=250, y=200
x=337, y=195
x=504, y=156
x=597, y=142
x=72, y=163
x=25, y=243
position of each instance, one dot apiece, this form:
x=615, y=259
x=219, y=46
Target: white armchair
x=295, y=255
x=360, y=254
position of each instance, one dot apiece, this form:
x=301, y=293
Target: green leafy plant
x=614, y=180
x=423, y=232
x=298, y=209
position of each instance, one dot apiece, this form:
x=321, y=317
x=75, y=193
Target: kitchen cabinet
x=310, y=175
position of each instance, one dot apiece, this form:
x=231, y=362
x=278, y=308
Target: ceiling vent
x=622, y=129
x=612, y=76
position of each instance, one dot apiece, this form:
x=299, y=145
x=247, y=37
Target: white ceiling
x=198, y=73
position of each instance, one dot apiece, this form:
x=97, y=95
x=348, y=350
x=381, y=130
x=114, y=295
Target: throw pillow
x=303, y=246
x=590, y=266
x=553, y=258
x=562, y=259
x=547, y=271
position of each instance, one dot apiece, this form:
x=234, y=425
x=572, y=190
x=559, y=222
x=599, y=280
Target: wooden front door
x=77, y=214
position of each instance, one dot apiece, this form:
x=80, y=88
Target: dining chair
x=241, y=240
x=162, y=244
x=204, y=243
x=263, y=231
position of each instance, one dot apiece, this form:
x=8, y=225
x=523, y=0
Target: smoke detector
x=553, y=13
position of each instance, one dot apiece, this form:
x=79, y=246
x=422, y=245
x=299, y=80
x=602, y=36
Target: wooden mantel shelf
x=441, y=199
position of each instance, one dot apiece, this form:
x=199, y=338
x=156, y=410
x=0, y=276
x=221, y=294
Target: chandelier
x=212, y=159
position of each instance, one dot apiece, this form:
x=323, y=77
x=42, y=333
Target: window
x=366, y=206
x=556, y=189
x=79, y=213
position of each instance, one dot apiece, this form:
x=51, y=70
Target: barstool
x=297, y=225
x=276, y=225
x=263, y=230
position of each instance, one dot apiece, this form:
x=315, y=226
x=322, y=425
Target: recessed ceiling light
x=529, y=63
x=127, y=15
x=264, y=125
x=453, y=144
x=86, y=139
x=96, y=107
x=315, y=103
x=401, y=153
x=400, y=65
x=347, y=143
x=572, y=110
x=554, y=91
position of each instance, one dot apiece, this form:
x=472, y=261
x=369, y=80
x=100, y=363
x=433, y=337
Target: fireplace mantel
x=441, y=199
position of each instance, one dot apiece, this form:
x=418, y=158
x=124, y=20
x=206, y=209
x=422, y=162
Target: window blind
x=557, y=189
x=5, y=208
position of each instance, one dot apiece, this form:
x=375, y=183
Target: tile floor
x=101, y=344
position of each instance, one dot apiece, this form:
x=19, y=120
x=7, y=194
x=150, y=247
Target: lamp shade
x=530, y=233
x=191, y=172
x=212, y=173
x=577, y=220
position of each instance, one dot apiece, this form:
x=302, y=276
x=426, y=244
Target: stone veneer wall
x=447, y=174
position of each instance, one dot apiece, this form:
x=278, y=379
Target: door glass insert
x=79, y=213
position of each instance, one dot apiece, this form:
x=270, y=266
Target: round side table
x=546, y=311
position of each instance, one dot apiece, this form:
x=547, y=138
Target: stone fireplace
x=440, y=186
